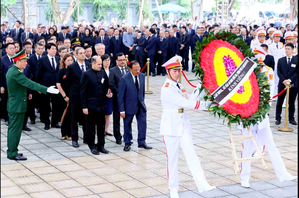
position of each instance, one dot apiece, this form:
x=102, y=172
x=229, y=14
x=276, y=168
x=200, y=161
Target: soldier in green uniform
x=17, y=84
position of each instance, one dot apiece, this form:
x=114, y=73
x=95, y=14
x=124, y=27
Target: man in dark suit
x=114, y=77
x=27, y=34
x=245, y=37
x=105, y=40
x=38, y=35
x=73, y=79
x=162, y=46
x=197, y=37
x=6, y=63
x=131, y=103
x=88, y=53
x=287, y=71
x=176, y=31
x=17, y=32
x=32, y=61
x=184, y=49
x=140, y=53
x=46, y=74
x=94, y=91
x=150, y=48
x=191, y=32
x=3, y=33
x=173, y=46
x=116, y=46
x=63, y=34
x=269, y=59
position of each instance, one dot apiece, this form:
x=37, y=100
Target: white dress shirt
x=50, y=59
x=80, y=64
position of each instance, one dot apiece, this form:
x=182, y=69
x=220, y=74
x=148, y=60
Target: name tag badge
x=102, y=81
x=293, y=65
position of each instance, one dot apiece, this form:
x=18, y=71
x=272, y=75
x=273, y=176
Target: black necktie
x=38, y=57
x=11, y=61
x=53, y=64
x=178, y=85
x=82, y=68
x=136, y=83
x=289, y=61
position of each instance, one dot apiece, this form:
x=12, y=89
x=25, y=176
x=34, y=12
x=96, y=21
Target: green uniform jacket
x=17, y=84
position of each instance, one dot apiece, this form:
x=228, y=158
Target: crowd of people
x=62, y=57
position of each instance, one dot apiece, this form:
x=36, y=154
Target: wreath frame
x=262, y=81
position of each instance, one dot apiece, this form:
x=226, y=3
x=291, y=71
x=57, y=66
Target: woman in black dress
x=109, y=101
x=61, y=84
x=88, y=37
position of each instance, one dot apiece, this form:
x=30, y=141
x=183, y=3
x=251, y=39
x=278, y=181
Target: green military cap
x=21, y=55
x=76, y=41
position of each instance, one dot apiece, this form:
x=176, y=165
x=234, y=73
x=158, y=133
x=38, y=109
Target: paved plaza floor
x=55, y=169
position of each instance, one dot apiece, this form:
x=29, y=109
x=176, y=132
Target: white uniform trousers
x=266, y=137
x=172, y=144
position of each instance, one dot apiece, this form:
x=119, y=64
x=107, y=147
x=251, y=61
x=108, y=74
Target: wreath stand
x=236, y=160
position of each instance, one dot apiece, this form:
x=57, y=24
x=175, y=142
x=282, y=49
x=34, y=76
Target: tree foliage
x=186, y=4
x=5, y=3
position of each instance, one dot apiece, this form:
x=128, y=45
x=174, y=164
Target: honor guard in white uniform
x=263, y=132
x=176, y=128
x=295, y=42
x=261, y=39
x=275, y=50
x=270, y=33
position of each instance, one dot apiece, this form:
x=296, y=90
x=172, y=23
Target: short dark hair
x=38, y=44
x=9, y=44
x=41, y=38
x=164, y=25
x=19, y=22
x=264, y=45
x=104, y=57
x=26, y=43
x=290, y=45
x=173, y=26
x=75, y=46
x=133, y=62
x=49, y=45
x=119, y=54
x=184, y=27
x=152, y=30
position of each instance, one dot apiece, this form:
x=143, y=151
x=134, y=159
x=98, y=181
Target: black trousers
x=152, y=64
x=77, y=116
x=161, y=61
x=45, y=109
x=192, y=50
x=292, y=99
x=185, y=55
x=94, y=119
x=116, y=119
x=4, y=105
x=129, y=53
x=30, y=113
x=67, y=121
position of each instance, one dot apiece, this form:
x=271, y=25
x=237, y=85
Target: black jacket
x=269, y=61
x=162, y=46
x=287, y=71
x=61, y=38
x=73, y=81
x=94, y=87
x=173, y=46
x=45, y=74
x=114, y=78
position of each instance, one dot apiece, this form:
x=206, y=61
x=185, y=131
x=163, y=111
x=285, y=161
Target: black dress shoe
x=6, y=122
x=103, y=150
x=56, y=126
x=19, y=157
x=192, y=71
x=118, y=142
x=153, y=75
x=109, y=134
x=32, y=122
x=75, y=144
x=25, y=128
x=145, y=146
x=293, y=122
x=47, y=127
x=163, y=74
x=277, y=122
x=94, y=151
x=186, y=70
x=127, y=147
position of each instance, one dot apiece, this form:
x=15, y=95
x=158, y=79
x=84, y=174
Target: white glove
x=52, y=90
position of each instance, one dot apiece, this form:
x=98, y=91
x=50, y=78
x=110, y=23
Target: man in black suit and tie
x=287, y=71
x=131, y=103
x=269, y=59
x=17, y=32
x=94, y=91
x=116, y=46
x=114, y=77
x=88, y=53
x=192, y=33
x=245, y=37
x=140, y=53
x=105, y=40
x=184, y=49
x=162, y=46
x=6, y=63
x=176, y=31
x=173, y=45
x=38, y=35
x=27, y=34
x=73, y=84
x=46, y=74
x=63, y=34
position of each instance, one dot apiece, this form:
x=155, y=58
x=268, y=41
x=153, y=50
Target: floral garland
x=216, y=58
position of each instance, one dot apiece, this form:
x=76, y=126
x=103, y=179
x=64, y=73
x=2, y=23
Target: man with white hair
x=100, y=49
x=128, y=41
x=27, y=34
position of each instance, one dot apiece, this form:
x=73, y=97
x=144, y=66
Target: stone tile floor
x=55, y=169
